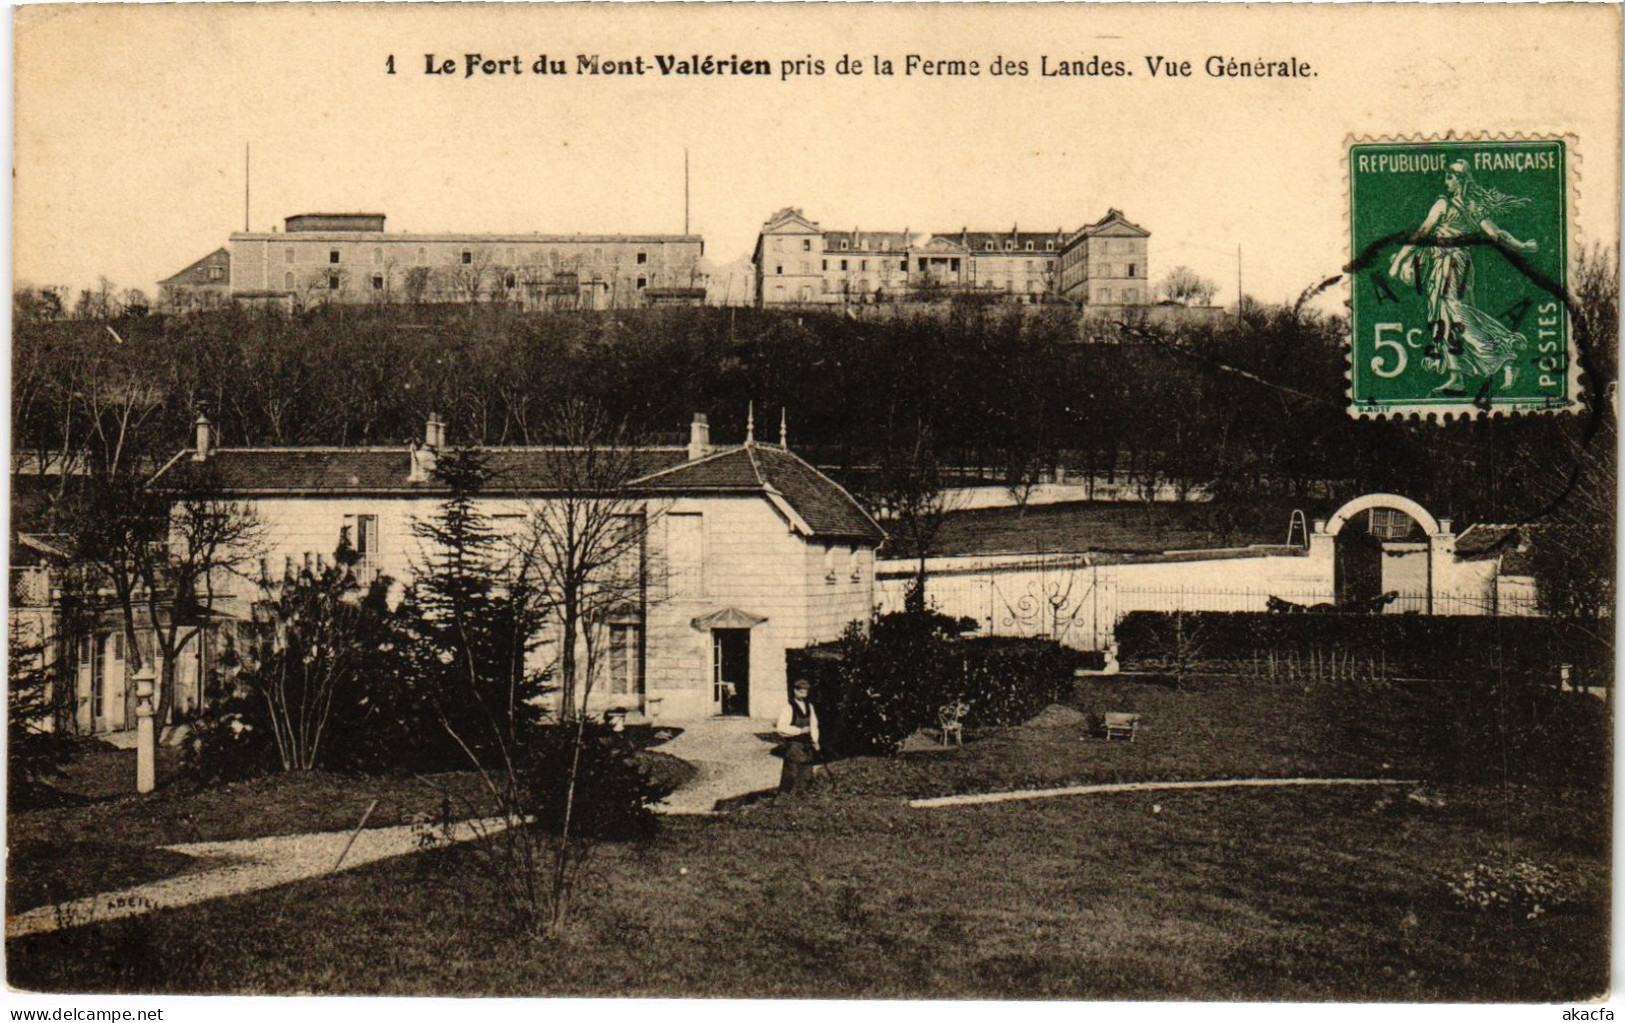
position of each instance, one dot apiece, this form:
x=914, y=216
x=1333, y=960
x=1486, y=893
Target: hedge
x=1465, y=648
x=875, y=689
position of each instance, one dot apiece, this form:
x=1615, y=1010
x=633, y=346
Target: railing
x=1081, y=606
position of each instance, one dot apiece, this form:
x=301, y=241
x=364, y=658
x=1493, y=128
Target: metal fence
x=1081, y=606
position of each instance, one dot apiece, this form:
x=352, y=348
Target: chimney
x=699, y=437
x=203, y=445
x=425, y=456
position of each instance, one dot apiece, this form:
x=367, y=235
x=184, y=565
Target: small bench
x=1120, y=726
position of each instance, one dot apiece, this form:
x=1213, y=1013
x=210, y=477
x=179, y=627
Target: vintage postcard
x=1027, y=502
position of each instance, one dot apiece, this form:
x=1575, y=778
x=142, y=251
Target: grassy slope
x=1296, y=895
x=1291, y=894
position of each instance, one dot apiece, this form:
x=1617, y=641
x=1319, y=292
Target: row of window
x=885, y=246
x=335, y=282
x=465, y=257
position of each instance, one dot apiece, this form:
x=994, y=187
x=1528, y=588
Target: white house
x=755, y=552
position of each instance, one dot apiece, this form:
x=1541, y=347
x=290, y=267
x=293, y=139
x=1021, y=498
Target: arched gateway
x=1385, y=559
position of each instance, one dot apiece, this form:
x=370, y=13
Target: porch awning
x=727, y=618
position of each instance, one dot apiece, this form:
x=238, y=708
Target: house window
x=287, y=256
x=332, y=282
x=333, y=256
x=987, y=246
x=806, y=266
x=378, y=282
x=1009, y=246
x=1389, y=524
x=1029, y=246
x=1131, y=269
x=806, y=245
x=93, y=651
x=779, y=268
x=509, y=281
x=685, y=553
x=643, y=257
x=643, y=282
x=843, y=262
x=902, y=264
x=826, y=264
x=1049, y=246
x=864, y=265
x=624, y=677
x=287, y=280
x=829, y=564
x=468, y=257
x=217, y=273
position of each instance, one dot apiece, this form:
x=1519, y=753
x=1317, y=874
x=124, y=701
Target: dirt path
x=1145, y=786
x=729, y=754
x=243, y=866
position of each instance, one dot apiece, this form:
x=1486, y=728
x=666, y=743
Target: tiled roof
x=1112, y=218
x=196, y=273
x=826, y=509
x=978, y=241
x=866, y=241
x=1512, y=544
x=514, y=470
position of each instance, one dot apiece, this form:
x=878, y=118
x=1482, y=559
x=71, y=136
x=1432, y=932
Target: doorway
x=730, y=666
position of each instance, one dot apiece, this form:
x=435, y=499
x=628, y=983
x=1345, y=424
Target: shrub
x=1465, y=647
x=614, y=788
x=37, y=745
x=230, y=740
x=318, y=684
x=1008, y=681
x=874, y=689
x=1507, y=884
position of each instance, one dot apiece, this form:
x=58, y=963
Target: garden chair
x=951, y=720
x=1121, y=726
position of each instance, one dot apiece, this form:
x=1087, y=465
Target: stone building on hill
x=350, y=258
x=797, y=262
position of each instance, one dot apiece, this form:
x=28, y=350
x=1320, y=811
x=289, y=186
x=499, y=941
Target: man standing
x=798, y=727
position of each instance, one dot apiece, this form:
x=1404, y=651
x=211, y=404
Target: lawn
x=1257, y=894
x=1123, y=527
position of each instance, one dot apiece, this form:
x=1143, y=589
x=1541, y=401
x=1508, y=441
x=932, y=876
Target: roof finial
x=750, y=423
x=784, y=428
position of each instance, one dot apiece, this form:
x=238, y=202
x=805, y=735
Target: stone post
x=146, y=744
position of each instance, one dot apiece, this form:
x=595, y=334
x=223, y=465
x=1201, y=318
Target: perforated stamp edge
x=1577, y=396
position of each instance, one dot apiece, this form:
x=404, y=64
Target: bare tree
x=585, y=545
x=912, y=495
x=1185, y=286
x=163, y=552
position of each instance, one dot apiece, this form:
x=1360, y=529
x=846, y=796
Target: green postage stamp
x=1460, y=275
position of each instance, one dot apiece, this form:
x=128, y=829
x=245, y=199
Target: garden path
x=239, y=867
x=729, y=755
x=731, y=758
x=1145, y=786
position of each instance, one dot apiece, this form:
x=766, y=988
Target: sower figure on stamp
x=1466, y=340
x=798, y=727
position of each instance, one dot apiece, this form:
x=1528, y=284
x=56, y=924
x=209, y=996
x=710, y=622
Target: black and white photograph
x=765, y=503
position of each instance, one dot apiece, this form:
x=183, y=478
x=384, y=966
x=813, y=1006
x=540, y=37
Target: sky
x=132, y=123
